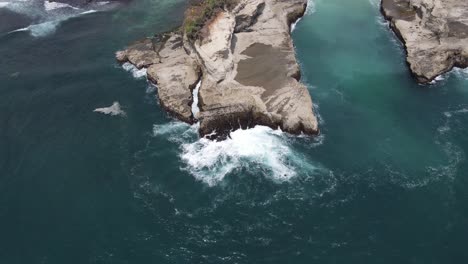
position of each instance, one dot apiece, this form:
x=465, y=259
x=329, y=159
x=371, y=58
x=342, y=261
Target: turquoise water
x=386, y=182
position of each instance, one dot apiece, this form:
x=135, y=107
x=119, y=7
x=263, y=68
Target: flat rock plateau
x=243, y=55
x=434, y=32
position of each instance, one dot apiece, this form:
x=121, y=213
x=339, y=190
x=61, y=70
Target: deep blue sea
x=386, y=182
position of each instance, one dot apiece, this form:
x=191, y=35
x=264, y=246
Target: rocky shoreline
x=434, y=33
x=244, y=58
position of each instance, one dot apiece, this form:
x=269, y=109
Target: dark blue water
x=386, y=182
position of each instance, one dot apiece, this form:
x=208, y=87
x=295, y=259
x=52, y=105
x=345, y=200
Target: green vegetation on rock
x=202, y=11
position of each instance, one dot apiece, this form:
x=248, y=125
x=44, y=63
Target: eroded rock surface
x=170, y=67
x=434, y=32
x=246, y=60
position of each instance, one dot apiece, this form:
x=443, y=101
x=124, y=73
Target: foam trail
x=137, y=73
x=113, y=110
x=261, y=151
x=47, y=15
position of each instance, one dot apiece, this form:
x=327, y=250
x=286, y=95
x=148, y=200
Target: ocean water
x=92, y=170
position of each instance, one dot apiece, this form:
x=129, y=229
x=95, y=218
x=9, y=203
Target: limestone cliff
x=244, y=57
x=434, y=32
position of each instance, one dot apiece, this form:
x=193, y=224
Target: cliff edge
x=242, y=53
x=434, y=32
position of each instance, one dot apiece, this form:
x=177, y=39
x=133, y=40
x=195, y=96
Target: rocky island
x=434, y=32
x=240, y=57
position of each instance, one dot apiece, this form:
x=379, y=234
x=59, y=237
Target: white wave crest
x=51, y=5
x=310, y=7
x=113, y=110
x=47, y=15
x=260, y=147
x=101, y=3
x=463, y=73
x=137, y=73
x=43, y=29
x=294, y=25
x=46, y=28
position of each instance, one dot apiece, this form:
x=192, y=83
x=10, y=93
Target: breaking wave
x=136, y=73
x=261, y=149
x=50, y=5
x=48, y=15
x=310, y=7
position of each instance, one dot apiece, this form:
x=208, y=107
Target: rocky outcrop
x=170, y=67
x=246, y=62
x=434, y=32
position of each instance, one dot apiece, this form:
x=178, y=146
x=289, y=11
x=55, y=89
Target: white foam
x=113, y=110
x=137, y=73
x=43, y=29
x=293, y=26
x=260, y=149
x=310, y=7
x=47, y=16
x=177, y=132
x=375, y=3
x=210, y=161
x=88, y=12
x=101, y=3
x=170, y=128
x=463, y=73
x=195, y=108
x=50, y=5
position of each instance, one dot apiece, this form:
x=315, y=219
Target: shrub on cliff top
x=201, y=11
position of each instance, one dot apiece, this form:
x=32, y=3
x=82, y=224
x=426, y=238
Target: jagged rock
x=434, y=32
x=249, y=73
x=173, y=71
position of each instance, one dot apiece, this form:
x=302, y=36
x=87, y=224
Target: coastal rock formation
x=434, y=32
x=171, y=68
x=244, y=57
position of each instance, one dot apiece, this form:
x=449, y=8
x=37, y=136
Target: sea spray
x=136, y=73
x=310, y=7
x=309, y=10
x=50, y=5
x=195, y=108
x=48, y=15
